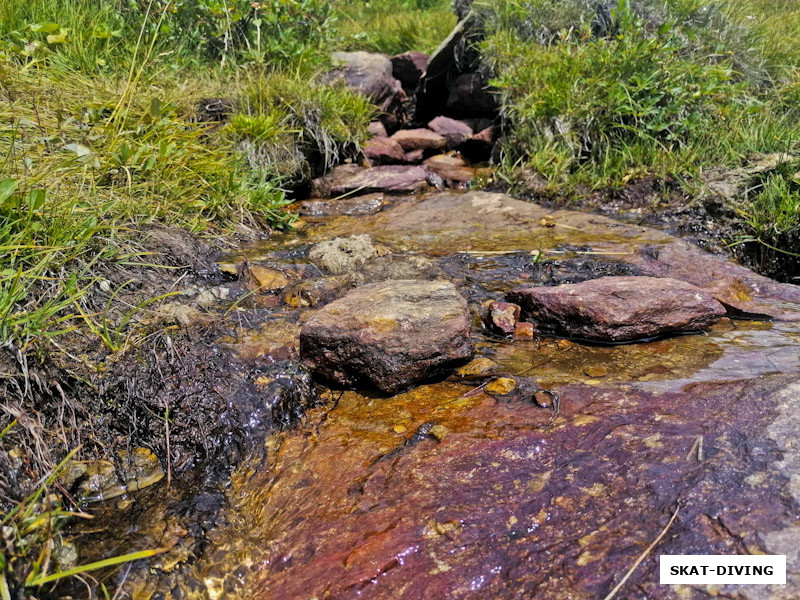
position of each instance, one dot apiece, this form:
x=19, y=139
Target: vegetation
x=598, y=94
x=393, y=26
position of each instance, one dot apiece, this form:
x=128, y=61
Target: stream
x=448, y=490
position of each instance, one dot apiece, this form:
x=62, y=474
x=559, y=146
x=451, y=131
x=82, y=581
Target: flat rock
x=409, y=68
x=455, y=132
x=342, y=254
x=388, y=335
x=384, y=151
x=348, y=179
x=620, y=309
x=419, y=139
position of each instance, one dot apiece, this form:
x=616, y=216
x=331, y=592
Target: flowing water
x=447, y=491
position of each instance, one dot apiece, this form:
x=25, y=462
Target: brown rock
x=409, y=67
x=502, y=317
x=452, y=168
x=388, y=335
x=419, y=139
x=384, y=151
x=619, y=309
x=455, y=132
x=347, y=179
x=266, y=279
x=479, y=147
x=360, y=205
x=524, y=331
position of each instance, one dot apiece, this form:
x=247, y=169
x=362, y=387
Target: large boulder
x=409, y=68
x=369, y=74
x=353, y=179
x=619, y=309
x=388, y=335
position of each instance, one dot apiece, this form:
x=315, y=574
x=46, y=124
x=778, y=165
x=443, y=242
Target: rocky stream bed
x=455, y=454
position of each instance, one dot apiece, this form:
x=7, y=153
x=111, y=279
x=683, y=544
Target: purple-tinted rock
x=619, y=309
x=384, y=151
x=455, y=132
x=376, y=129
x=369, y=74
x=502, y=317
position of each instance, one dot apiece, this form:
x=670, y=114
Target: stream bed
x=448, y=490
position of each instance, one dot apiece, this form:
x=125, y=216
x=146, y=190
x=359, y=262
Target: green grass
x=393, y=26
x=594, y=98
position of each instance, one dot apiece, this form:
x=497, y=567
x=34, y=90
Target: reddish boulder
x=384, y=151
x=455, y=132
x=409, y=68
x=419, y=139
x=619, y=309
x=388, y=335
x=348, y=179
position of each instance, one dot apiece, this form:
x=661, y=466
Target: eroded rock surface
x=388, y=335
x=620, y=309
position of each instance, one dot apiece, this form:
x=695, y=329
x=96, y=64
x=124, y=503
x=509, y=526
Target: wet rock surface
x=543, y=468
x=389, y=335
x=620, y=309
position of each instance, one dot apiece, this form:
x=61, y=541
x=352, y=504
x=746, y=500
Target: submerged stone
x=388, y=335
x=620, y=309
x=352, y=179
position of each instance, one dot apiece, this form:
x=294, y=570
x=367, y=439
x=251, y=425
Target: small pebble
x=595, y=372
x=501, y=386
x=399, y=429
x=439, y=432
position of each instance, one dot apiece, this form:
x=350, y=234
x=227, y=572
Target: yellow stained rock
x=596, y=372
x=479, y=366
x=501, y=386
x=439, y=432
x=267, y=279
x=399, y=429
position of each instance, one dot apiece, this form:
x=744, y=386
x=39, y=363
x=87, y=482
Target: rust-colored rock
x=349, y=179
x=388, y=335
x=384, y=151
x=419, y=139
x=455, y=132
x=620, y=309
x=502, y=317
